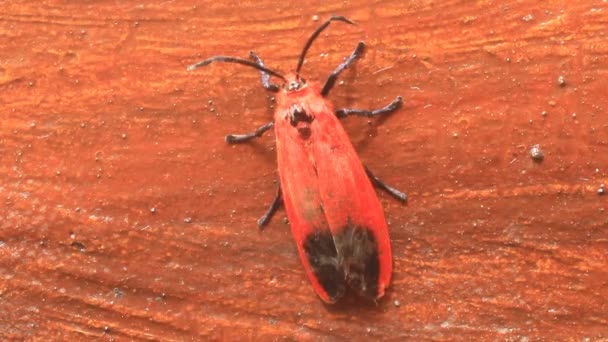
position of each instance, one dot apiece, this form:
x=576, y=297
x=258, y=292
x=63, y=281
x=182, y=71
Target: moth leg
x=265, y=77
x=331, y=80
x=391, y=107
x=379, y=183
x=239, y=138
x=276, y=203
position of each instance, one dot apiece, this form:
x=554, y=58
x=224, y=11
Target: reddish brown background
x=101, y=122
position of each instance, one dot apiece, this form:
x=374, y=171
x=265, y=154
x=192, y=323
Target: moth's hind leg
x=380, y=184
x=274, y=206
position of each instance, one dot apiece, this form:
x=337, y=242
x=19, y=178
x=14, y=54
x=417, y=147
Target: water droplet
x=536, y=153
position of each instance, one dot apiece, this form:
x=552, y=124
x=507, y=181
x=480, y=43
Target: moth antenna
x=315, y=35
x=235, y=60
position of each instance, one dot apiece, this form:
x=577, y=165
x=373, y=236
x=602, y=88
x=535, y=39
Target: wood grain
x=125, y=216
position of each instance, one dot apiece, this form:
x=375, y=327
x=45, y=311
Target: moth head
x=294, y=83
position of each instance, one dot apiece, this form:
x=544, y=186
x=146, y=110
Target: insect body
x=334, y=213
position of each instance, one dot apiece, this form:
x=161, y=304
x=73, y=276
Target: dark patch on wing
x=358, y=252
x=349, y=258
x=323, y=258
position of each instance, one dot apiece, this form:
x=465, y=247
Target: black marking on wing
x=357, y=247
x=323, y=258
x=347, y=259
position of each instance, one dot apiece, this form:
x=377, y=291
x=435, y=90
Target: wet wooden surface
x=125, y=216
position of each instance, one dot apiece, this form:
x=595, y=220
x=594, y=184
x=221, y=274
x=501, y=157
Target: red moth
x=335, y=216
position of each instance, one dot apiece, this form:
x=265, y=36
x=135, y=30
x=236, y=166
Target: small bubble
x=527, y=18
x=561, y=80
x=601, y=190
x=124, y=135
x=117, y=292
x=188, y=220
x=79, y=246
x=536, y=153
x=153, y=210
x=397, y=303
x=315, y=18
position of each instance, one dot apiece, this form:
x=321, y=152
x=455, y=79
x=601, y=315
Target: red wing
x=352, y=209
x=335, y=216
x=303, y=205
